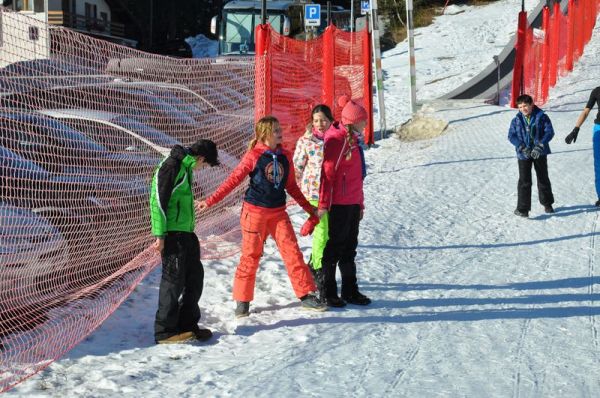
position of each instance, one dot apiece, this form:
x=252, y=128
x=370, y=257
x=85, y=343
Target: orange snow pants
x=257, y=224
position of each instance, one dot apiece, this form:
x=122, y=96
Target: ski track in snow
x=591, y=266
x=410, y=356
x=518, y=360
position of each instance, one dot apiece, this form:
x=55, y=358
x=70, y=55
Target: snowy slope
x=448, y=53
x=469, y=300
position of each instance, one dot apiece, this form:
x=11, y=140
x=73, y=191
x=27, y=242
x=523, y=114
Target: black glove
x=572, y=137
x=537, y=150
x=525, y=151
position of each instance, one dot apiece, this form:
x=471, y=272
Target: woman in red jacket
x=271, y=173
x=342, y=196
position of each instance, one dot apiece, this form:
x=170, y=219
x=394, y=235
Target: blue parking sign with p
x=312, y=14
x=365, y=6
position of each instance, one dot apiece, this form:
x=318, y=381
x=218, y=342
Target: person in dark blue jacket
x=530, y=132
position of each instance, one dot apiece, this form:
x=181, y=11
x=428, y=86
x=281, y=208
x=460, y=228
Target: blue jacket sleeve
x=513, y=135
x=548, y=130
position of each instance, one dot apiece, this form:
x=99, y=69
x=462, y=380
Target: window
x=113, y=139
x=239, y=30
x=23, y=5
x=104, y=18
x=91, y=11
x=91, y=16
x=38, y=6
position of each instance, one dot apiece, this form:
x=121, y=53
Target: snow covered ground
x=448, y=53
x=468, y=299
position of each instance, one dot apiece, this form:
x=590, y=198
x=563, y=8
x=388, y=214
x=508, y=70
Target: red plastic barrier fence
x=553, y=33
x=517, y=83
x=262, y=93
x=532, y=58
x=83, y=124
x=543, y=55
x=293, y=76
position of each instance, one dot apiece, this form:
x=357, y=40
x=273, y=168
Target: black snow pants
x=180, y=286
x=543, y=183
x=340, y=249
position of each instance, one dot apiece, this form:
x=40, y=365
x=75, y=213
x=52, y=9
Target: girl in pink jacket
x=341, y=196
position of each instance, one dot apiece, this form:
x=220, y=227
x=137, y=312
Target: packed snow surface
x=468, y=299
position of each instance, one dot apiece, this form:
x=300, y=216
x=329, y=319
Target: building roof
x=271, y=5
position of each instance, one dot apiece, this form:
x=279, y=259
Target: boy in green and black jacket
x=173, y=220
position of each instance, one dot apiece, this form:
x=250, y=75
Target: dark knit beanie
x=206, y=149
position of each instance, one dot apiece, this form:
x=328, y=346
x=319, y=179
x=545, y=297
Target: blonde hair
x=264, y=128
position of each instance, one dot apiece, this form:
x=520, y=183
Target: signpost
x=365, y=6
x=411, y=57
x=377, y=60
x=312, y=15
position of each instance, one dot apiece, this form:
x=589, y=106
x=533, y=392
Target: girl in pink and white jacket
x=308, y=162
x=341, y=196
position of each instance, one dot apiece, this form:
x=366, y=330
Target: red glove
x=309, y=225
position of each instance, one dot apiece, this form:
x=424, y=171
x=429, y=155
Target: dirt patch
x=421, y=127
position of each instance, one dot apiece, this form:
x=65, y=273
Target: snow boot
x=180, y=338
x=549, y=209
x=335, y=301
x=202, y=334
x=242, y=309
x=520, y=213
x=312, y=302
x=357, y=298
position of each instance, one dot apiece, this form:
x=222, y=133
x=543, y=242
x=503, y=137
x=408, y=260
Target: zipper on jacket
x=192, y=220
x=178, y=210
x=344, y=185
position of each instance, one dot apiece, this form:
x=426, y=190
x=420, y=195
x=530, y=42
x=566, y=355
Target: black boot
x=350, y=291
x=330, y=286
x=335, y=301
x=357, y=298
x=319, y=281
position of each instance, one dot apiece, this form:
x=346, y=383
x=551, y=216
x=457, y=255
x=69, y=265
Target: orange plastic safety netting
x=547, y=53
x=292, y=76
x=83, y=124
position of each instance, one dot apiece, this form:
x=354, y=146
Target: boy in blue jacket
x=530, y=132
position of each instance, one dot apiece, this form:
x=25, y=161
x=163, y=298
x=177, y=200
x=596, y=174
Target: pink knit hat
x=351, y=111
